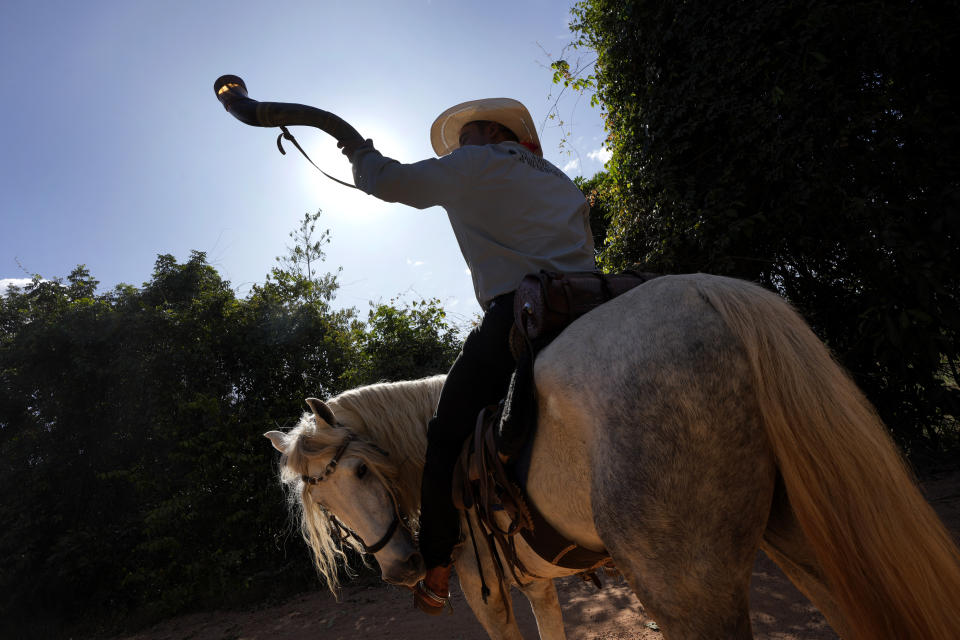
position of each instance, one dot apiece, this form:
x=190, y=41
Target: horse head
x=344, y=488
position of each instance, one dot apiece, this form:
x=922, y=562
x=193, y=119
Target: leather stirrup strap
x=484, y=589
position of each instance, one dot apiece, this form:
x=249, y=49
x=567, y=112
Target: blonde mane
x=391, y=417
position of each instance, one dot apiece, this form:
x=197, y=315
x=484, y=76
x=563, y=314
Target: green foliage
x=297, y=276
x=414, y=341
x=135, y=479
x=572, y=79
x=811, y=147
x=599, y=193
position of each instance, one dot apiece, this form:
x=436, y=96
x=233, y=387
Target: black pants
x=479, y=377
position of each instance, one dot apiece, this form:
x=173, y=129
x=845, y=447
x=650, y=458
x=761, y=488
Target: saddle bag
x=548, y=301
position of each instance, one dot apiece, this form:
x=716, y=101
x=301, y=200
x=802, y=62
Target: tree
x=598, y=190
x=298, y=272
x=404, y=343
x=811, y=147
x=135, y=482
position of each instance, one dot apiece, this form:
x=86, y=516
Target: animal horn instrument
x=232, y=93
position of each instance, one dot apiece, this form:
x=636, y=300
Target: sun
x=329, y=195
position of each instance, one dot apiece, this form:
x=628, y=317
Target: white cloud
x=415, y=263
x=12, y=282
x=601, y=155
x=570, y=166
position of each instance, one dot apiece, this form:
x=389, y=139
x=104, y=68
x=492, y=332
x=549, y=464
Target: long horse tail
x=888, y=561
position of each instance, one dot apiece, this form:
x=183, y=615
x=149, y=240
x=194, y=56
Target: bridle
x=343, y=531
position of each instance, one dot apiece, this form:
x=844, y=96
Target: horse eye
x=362, y=471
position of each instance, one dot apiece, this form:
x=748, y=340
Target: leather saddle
x=489, y=482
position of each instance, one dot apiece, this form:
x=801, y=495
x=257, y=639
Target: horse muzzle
x=406, y=573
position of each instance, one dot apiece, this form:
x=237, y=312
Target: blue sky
x=114, y=148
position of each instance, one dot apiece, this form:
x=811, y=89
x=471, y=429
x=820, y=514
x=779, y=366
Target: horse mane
x=391, y=416
x=394, y=416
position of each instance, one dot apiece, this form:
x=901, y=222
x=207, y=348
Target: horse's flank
x=625, y=389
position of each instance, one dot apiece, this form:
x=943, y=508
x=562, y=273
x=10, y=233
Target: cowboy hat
x=445, y=131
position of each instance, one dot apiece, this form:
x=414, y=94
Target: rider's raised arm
x=421, y=184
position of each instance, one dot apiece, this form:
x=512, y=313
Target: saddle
x=491, y=472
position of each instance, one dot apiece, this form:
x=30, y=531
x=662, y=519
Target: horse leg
x=694, y=580
x=542, y=595
x=690, y=566
x=785, y=544
x=496, y=614
x=683, y=479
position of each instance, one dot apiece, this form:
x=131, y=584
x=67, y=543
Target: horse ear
x=321, y=412
x=279, y=440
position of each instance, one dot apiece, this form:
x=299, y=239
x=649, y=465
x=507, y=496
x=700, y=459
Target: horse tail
x=889, y=562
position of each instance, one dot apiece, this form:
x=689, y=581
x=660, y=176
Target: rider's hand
x=350, y=146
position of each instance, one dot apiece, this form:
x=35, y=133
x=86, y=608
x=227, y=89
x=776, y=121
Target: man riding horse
x=513, y=213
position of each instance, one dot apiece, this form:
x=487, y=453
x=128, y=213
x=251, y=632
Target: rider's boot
x=432, y=593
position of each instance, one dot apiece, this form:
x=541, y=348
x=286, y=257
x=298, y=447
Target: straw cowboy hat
x=445, y=131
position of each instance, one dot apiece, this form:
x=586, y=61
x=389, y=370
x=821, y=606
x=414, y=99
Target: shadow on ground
x=373, y=611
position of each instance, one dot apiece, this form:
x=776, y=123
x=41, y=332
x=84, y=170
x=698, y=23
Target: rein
x=344, y=532
x=379, y=544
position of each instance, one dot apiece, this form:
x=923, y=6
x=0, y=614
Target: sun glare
x=330, y=196
x=380, y=246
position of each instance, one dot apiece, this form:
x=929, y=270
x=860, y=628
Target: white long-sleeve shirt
x=512, y=212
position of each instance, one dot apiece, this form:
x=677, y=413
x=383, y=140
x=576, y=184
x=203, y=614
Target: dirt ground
x=368, y=612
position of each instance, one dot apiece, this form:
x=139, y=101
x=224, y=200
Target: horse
x=681, y=427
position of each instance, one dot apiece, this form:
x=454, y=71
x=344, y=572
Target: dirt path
x=374, y=611
x=368, y=612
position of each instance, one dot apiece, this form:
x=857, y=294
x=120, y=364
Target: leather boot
x=432, y=593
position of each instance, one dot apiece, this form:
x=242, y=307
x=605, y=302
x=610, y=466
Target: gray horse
x=682, y=427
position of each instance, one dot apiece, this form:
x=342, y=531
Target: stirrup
x=429, y=602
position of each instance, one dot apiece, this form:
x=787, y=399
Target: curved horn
x=232, y=93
